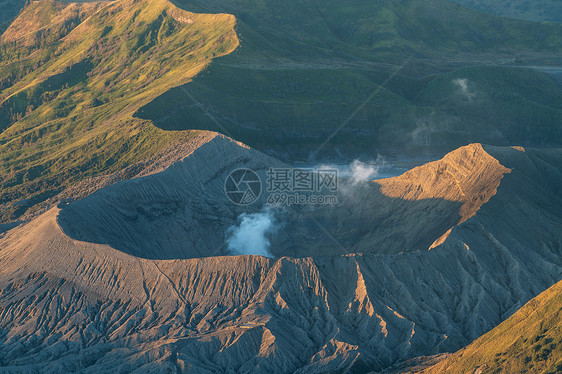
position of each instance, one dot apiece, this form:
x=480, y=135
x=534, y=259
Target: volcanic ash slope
x=128, y=279
x=529, y=341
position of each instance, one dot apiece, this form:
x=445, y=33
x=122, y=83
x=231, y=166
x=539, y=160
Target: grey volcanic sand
x=437, y=257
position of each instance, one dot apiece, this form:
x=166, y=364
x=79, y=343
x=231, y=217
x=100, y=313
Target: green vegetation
x=81, y=85
x=530, y=341
x=514, y=104
x=67, y=104
x=383, y=28
x=532, y=10
x=304, y=67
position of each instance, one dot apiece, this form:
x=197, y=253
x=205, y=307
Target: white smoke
x=464, y=89
x=250, y=237
x=421, y=135
x=355, y=173
x=462, y=84
x=363, y=172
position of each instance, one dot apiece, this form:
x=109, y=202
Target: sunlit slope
x=105, y=284
x=304, y=67
x=81, y=83
x=530, y=341
x=70, y=88
x=44, y=22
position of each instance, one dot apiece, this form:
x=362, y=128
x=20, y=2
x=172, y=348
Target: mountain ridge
x=159, y=314
x=97, y=98
x=82, y=96
x=116, y=257
x=434, y=37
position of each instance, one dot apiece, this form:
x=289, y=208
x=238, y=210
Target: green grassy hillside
x=304, y=67
x=509, y=104
x=81, y=85
x=66, y=104
x=530, y=341
x=304, y=27
x=532, y=10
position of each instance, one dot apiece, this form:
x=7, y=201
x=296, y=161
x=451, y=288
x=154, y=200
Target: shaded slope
x=182, y=212
x=303, y=68
x=547, y=10
x=529, y=341
x=69, y=305
x=10, y=9
x=382, y=26
x=505, y=104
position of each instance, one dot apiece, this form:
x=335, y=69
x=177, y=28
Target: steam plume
x=465, y=91
x=250, y=237
x=363, y=172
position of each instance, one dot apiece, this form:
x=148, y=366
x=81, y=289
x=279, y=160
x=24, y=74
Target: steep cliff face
x=72, y=301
